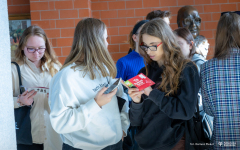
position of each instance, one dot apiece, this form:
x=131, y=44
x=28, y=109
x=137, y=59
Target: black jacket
x=161, y=119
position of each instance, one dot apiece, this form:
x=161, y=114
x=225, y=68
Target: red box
x=141, y=81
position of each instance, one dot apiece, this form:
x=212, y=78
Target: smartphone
x=113, y=86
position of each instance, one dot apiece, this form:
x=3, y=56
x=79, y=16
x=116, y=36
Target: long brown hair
x=49, y=56
x=89, y=49
x=227, y=35
x=174, y=61
x=187, y=36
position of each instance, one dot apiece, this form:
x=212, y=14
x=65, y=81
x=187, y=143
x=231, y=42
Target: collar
x=33, y=67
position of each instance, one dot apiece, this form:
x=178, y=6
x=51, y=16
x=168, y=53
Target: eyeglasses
x=152, y=48
x=39, y=50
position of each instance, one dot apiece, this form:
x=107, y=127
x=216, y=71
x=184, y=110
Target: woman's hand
x=147, y=90
x=102, y=99
x=27, y=97
x=135, y=94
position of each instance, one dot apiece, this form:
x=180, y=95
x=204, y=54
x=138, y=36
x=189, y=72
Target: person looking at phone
x=161, y=111
x=38, y=64
x=85, y=117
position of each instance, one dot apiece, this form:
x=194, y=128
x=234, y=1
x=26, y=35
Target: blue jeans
x=117, y=146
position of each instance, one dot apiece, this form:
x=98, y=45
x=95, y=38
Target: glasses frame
x=36, y=49
x=148, y=47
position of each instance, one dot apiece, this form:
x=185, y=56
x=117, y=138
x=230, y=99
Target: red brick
x=96, y=14
x=26, y=9
x=185, y=2
x=232, y=1
x=53, y=33
x=207, y=33
x=118, y=39
x=206, y=17
x=174, y=10
x=35, y=15
x=210, y=25
x=39, y=6
x=62, y=59
x=83, y=13
x=117, y=5
x=76, y=21
x=199, y=8
x=211, y=51
x=238, y=6
x=134, y=4
x=20, y=2
x=61, y=42
x=52, y=23
x=124, y=47
x=228, y=7
x=211, y=8
x=199, y=2
x=112, y=30
x=42, y=24
x=173, y=19
x=9, y=2
x=109, y=14
x=106, y=21
x=211, y=42
x=68, y=14
x=67, y=32
x=99, y=6
x=142, y=12
x=216, y=16
x=173, y=26
x=162, y=8
x=54, y=42
x=117, y=56
x=125, y=30
x=66, y=51
x=219, y=1
x=125, y=13
x=63, y=5
x=133, y=21
x=66, y=23
x=58, y=51
x=152, y=3
x=168, y=3
x=113, y=48
x=81, y=4
x=49, y=15
x=51, y=5
x=118, y=22
x=14, y=9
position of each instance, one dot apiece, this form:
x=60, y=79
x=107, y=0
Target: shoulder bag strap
x=19, y=77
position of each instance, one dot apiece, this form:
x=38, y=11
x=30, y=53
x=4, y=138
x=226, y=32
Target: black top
x=161, y=119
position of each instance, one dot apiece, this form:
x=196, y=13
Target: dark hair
x=227, y=35
x=158, y=14
x=187, y=36
x=134, y=31
x=174, y=61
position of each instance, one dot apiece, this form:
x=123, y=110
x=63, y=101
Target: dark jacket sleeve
x=136, y=110
x=182, y=106
x=135, y=114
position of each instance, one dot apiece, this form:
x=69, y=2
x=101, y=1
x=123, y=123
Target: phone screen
x=113, y=86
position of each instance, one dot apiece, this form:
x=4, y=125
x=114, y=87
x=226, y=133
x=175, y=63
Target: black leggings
x=30, y=147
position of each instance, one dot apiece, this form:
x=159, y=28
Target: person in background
x=129, y=65
x=202, y=45
x=220, y=83
x=86, y=117
x=38, y=64
x=165, y=15
x=160, y=111
x=186, y=42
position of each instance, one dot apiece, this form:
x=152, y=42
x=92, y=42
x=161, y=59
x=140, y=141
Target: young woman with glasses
x=160, y=112
x=38, y=64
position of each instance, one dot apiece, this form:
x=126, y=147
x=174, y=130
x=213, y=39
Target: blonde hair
x=174, y=61
x=49, y=56
x=89, y=49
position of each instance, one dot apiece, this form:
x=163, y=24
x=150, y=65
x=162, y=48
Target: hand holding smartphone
x=113, y=86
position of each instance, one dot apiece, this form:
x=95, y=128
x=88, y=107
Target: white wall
x=7, y=123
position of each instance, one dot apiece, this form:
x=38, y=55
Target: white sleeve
x=124, y=113
x=67, y=114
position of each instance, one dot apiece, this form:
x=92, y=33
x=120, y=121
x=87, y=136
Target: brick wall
x=59, y=18
x=18, y=6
